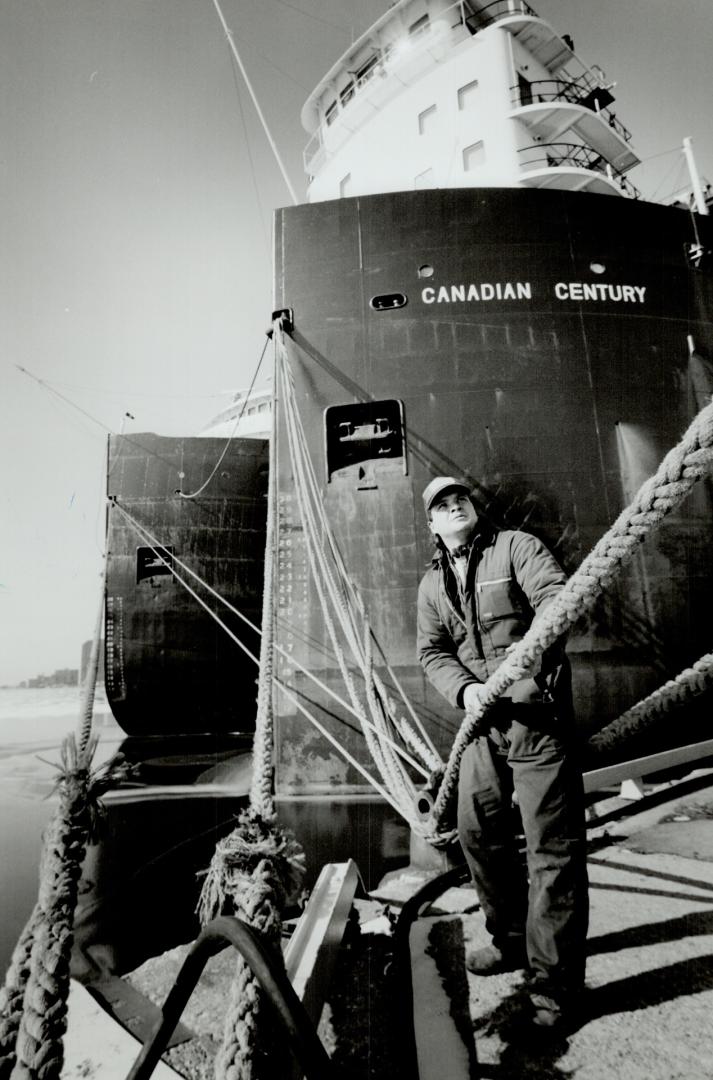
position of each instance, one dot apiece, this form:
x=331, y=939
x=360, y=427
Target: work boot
x=490, y=960
x=553, y=1016
x=547, y=1012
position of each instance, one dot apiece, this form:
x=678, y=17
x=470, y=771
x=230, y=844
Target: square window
x=426, y=119
x=420, y=26
x=473, y=156
x=467, y=95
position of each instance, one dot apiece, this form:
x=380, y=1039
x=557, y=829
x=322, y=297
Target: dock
x=644, y=1016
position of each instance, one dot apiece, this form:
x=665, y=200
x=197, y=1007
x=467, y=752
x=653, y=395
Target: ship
x=474, y=288
x=487, y=297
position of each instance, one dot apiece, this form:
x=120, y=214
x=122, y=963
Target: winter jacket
x=463, y=633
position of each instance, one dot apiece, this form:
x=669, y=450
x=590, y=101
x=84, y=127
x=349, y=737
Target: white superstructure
x=439, y=94
x=248, y=416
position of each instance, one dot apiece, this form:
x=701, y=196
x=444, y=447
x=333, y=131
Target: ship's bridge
x=477, y=94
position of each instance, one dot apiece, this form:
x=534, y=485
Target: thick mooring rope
x=33, y=1000
x=687, y=685
x=259, y=866
x=253, y=874
x=12, y=994
x=38, y=1053
x=656, y=498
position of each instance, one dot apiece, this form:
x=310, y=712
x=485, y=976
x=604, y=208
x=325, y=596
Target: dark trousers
x=550, y=916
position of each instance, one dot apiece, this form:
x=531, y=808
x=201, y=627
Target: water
x=33, y=724
x=142, y=875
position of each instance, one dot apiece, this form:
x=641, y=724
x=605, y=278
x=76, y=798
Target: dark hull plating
x=170, y=668
x=555, y=399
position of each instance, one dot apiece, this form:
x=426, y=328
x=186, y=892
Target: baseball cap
x=438, y=485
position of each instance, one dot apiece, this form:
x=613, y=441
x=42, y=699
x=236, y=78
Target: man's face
x=453, y=518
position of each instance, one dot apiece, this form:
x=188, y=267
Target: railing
x=556, y=155
x=499, y=9
x=543, y=90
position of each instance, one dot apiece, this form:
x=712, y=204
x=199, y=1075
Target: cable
x=204, y=485
x=285, y=3
x=234, y=69
x=52, y=390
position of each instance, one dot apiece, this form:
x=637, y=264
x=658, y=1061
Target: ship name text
x=599, y=290
x=522, y=290
x=451, y=294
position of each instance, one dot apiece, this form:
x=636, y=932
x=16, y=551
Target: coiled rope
x=258, y=868
x=33, y=1000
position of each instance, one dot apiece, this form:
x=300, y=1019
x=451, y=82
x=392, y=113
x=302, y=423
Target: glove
x=471, y=697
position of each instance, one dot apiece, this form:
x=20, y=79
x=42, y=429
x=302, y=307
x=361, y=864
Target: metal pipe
x=695, y=178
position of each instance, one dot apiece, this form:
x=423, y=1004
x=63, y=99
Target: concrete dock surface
x=645, y=1014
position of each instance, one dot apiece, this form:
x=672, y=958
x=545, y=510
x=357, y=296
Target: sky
x=136, y=197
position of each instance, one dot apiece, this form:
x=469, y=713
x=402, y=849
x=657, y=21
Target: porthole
x=388, y=301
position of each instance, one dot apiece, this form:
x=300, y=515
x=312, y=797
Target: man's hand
x=471, y=696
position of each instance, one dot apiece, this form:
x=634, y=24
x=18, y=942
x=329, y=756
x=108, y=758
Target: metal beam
x=628, y=770
x=312, y=950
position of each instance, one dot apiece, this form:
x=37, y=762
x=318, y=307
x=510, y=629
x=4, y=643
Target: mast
x=263, y=121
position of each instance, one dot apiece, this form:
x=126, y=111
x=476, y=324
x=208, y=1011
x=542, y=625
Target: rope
x=13, y=993
x=86, y=712
x=33, y=1001
x=339, y=597
x=38, y=1050
x=259, y=867
x=219, y=462
x=688, y=684
x=261, y=799
x=656, y=498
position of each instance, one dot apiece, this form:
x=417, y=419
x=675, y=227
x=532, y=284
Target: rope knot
x=259, y=859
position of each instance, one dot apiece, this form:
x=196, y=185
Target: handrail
x=570, y=91
x=556, y=154
x=215, y=936
x=484, y=16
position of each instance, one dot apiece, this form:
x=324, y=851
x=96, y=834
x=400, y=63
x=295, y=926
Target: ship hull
x=170, y=667
x=551, y=347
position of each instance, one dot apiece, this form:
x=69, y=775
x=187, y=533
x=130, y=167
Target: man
x=479, y=597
